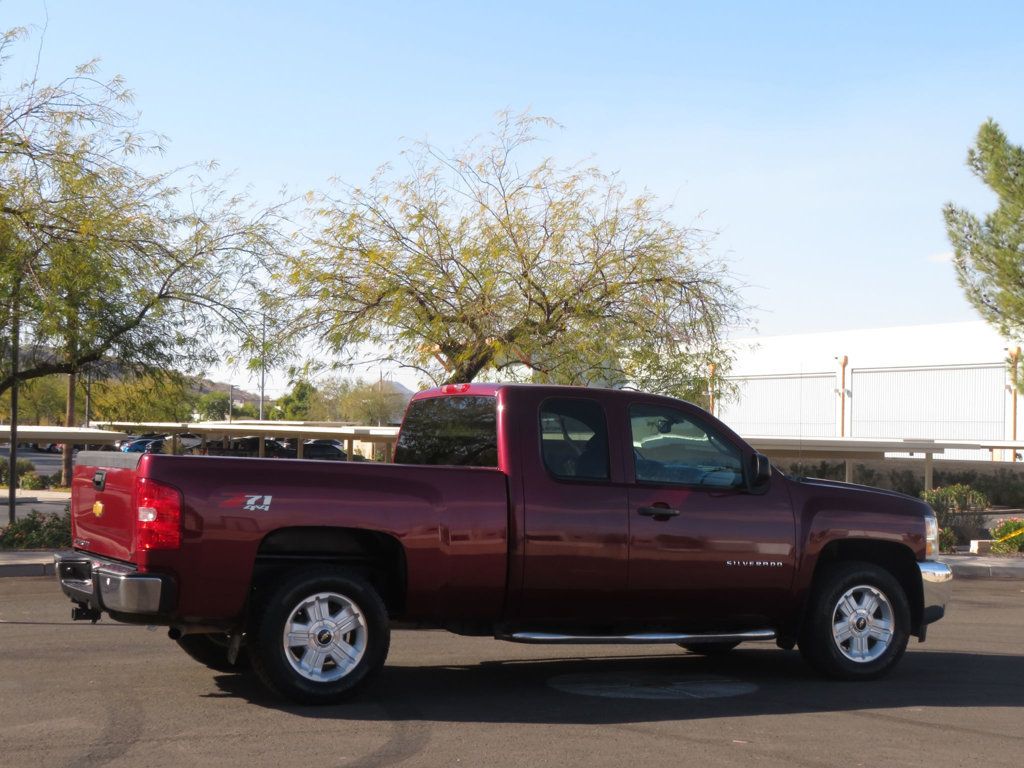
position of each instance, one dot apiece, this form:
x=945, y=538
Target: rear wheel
x=858, y=622
x=323, y=634
x=212, y=651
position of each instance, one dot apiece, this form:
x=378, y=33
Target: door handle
x=656, y=512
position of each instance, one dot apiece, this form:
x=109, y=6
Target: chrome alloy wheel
x=325, y=637
x=862, y=624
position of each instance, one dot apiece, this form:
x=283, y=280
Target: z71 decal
x=257, y=503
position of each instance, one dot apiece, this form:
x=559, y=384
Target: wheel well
x=897, y=559
x=376, y=556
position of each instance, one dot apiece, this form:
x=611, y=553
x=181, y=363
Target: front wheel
x=323, y=634
x=858, y=622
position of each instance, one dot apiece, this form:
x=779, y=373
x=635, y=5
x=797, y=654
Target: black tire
x=345, y=635
x=212, y=651
x=710, y=649
x=857, y=622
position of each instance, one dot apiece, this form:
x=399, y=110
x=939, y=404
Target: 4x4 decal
x=257, y=503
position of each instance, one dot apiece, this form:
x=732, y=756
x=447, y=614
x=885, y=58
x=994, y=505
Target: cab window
x=670, y=447
x=574, y=439
x=460, y=430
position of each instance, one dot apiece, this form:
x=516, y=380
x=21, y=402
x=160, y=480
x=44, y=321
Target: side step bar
x=639, y=639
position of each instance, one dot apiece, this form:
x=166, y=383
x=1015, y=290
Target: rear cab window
x=574, y=439
x=454, y=430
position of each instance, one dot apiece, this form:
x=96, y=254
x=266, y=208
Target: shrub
x=32, y=481
x=1004, y=487
x=823, y=469
x=23, y=467
x=38, y=531
x=947, y=539
x=1004, y=528
x=905, y=481
x=958, y=507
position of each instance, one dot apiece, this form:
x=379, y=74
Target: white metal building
x=944, y=382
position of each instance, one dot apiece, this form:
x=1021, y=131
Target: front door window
x=671, y=448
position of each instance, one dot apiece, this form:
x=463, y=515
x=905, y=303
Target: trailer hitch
x=84, y=613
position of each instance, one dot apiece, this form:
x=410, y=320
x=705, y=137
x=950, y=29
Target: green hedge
x=38, y=531
x=23, y=466
x=1004, y=487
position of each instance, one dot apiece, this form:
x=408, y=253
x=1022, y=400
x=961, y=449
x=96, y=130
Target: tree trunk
x=467, y=369
x=12, y=476
x=69, y=421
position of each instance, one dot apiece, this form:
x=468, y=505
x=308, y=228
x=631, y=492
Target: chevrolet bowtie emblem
x=97, y=509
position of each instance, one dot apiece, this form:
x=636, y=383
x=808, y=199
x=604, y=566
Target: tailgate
x=102, y=504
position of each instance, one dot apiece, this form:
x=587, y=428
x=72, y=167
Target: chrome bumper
x=104, y=585
x=936, y=589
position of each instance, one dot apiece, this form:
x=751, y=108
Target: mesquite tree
x=102, y=263
x=470, y=266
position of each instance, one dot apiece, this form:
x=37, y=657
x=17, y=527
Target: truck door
x=575, y=547
x=703, y=551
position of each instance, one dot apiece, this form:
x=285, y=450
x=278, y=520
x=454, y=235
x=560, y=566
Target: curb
x=21, y=562
x=26, y=569
x=969, y=571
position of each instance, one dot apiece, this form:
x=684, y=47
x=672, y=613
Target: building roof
x=965, y=343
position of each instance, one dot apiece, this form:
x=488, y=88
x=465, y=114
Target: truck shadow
x=634, y=689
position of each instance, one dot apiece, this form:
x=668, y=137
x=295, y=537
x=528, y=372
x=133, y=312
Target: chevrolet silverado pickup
x=535, y=514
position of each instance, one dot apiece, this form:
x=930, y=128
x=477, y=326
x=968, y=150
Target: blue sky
x=819, y=141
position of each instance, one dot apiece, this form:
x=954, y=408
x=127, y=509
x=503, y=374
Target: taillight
x=455, y=389
x=159, y=515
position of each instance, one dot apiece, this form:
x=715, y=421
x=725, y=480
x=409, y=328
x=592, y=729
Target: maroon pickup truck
x=535, y=514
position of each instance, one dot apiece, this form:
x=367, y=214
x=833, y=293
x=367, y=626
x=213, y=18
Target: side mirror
x=760, y=471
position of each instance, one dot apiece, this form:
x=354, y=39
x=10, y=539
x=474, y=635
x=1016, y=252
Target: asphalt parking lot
x=73, y=694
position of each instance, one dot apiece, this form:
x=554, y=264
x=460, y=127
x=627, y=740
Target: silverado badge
x=97, y=508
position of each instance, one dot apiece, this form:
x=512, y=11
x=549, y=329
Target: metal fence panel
x=799, y=405
x=941, y=403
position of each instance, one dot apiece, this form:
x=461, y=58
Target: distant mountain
x=202, y=386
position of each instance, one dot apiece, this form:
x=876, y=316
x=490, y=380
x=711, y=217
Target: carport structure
x=70, y=435
x=850, y=449
x=847, y=449
x=210, y=431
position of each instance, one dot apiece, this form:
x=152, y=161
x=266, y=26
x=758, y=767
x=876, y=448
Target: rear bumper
x=114, y=587
x=936, y=589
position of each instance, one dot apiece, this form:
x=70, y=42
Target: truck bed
x=451, y=522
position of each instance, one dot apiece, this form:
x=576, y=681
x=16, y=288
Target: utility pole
x=845, y=361
x=231, y=400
